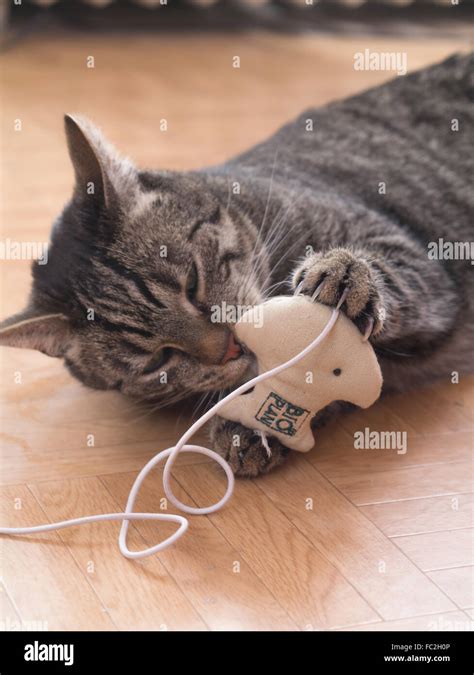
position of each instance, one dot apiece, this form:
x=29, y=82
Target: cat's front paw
x=325, y=276
x=244, y=449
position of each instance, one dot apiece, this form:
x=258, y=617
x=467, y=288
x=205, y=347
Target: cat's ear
x=50, y=334
x=101, y=174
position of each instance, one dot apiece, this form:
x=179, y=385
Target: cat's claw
x=369, y=329
x=317, y=291
x=340, y=277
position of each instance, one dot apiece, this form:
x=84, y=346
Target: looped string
x=171, y=454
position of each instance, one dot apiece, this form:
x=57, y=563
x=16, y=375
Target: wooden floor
x=339, y=538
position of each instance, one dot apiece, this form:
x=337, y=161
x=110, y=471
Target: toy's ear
x=48, y=333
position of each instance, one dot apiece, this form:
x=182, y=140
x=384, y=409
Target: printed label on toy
x=280, y=415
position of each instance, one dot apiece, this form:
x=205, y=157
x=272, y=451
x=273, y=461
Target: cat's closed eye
x=158, y=360
x=192, y=283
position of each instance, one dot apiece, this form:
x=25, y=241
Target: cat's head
x=137, y=263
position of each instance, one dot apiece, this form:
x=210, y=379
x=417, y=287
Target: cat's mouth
x=234, y=349
x=239, y=362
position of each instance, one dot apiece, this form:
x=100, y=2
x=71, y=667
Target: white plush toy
x=342, y=368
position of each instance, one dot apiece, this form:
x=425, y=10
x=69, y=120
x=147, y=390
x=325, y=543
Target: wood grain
x=446, y=621
x=373, y=564
x=457, y=583
x=8, y=614
x=224, y=589
x=137, y=595
x=437, y=550
x=298, y=569
x=40, y=574
x=415, y=516
x=309, y=587
x=446, y=479
x=421, y=451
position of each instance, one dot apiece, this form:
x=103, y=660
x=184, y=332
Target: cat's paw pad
x=244, y=449
x=325, y=276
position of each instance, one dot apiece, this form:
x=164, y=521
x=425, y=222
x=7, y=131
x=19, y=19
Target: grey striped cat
x=356, y=195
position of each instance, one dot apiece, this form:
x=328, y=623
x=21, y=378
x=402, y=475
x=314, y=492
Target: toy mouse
x=342, y=368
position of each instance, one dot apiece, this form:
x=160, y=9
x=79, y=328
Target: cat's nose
x=210, y=343
x=233, y=350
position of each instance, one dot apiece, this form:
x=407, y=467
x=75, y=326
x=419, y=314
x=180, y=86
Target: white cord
x=172, y=453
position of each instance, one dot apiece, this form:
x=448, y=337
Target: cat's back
x=404, y=148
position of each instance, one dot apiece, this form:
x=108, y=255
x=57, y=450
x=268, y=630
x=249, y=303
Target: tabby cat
x=349, y=195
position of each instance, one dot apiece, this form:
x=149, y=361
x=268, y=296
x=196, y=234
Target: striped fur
x=304, y=207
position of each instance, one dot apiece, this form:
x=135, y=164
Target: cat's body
x=365, y=183
x=383, y=173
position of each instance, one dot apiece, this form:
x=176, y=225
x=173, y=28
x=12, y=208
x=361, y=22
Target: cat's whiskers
x=268, y=291
x=273, y=240
x=265, y=243
x=262, y=257
x=281, y=259
x=277, y=240
x=153, y=407
x=259, y=243
x=269, y=193
x=147, y=412
x=198, y=404
x=202, y=403
x=272, y=235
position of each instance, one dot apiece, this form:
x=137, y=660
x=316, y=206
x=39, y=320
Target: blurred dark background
x=355, y=16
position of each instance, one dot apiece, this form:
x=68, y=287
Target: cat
x=349, y=195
